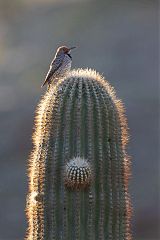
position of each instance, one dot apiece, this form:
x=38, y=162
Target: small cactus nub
x=77, y=174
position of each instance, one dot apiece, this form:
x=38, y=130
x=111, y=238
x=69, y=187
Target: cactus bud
x=77, y=173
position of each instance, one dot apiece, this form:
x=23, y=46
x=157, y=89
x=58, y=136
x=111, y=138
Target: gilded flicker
x=60, y=65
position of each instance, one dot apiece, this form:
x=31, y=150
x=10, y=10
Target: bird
x=60, y=65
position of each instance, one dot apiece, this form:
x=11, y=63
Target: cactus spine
x=79, y=169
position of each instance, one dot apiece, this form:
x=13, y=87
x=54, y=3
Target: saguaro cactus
x=79, y=169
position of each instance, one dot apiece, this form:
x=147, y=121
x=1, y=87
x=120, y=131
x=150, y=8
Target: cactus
x=79, y=168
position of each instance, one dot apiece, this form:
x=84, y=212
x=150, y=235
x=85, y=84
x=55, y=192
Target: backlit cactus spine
x=79, y=169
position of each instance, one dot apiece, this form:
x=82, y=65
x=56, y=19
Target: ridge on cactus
x=79, y=168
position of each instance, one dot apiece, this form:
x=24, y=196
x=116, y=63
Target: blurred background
x=118, y=38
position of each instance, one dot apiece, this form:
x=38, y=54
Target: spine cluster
x=79, y=168
x=78, y=174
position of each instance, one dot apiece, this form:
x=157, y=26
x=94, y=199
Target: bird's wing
x=55, y=64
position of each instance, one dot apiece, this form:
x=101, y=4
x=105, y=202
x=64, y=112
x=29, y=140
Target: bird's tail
x=47, y=79
x=43, y=84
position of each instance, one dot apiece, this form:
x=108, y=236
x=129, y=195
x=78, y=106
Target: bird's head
x=64, y=49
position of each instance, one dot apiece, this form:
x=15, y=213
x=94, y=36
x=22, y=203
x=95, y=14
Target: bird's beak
x=71, y=48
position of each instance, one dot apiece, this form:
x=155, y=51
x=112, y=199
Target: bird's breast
x=64, y=67
x=66, y=62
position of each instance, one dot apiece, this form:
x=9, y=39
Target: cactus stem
x=79, y=168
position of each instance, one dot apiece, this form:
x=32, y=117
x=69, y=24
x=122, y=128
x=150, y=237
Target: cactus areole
x=79, y=169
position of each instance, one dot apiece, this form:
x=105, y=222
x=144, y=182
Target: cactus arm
x=80, y=135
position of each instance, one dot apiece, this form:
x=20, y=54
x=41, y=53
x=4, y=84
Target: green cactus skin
x=81, y=117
